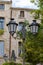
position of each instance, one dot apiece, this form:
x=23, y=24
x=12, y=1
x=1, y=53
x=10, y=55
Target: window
x=21, y=13
x=1, y=48
x=1, y=23
x=2, y=6
x=19, y=48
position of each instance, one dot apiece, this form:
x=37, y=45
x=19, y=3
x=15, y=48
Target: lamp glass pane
x=36, y=29
x=15, y=26
x=33, y=29
x=12, y=28
x=9, y=28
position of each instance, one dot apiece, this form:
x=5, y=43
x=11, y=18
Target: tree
x=34, y=47
x=39, y=15
x=38, y=12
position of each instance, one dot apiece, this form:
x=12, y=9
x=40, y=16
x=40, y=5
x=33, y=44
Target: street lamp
x=12, y=25
x=34, y=26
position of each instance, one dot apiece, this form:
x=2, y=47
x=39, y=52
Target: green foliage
x=32, y=1
x=36, y=44
x=19, y=34
x=1, y=31
x=26, y=22
x=11, y=63
x=34, y=47
x=38, y=12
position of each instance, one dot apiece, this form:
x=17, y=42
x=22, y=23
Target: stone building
x=19, y=14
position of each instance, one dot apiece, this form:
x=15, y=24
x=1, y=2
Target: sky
x=23, y=4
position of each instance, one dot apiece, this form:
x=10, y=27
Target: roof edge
x=7, y=2
x=17, y=8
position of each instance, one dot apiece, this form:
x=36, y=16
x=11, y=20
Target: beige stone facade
x=6, y=13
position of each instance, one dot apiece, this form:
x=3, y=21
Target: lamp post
x=34, y=26
x=12, y=25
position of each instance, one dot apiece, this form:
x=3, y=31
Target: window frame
x=3, y=48
x=2, y=6
x=21, y=14
x=2, y=23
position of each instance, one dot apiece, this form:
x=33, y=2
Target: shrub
x=9, y=63
x=12, y=63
